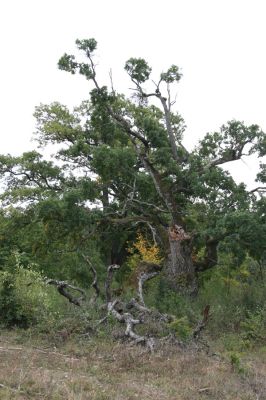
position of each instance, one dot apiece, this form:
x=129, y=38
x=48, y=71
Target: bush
x=236, y=363
x=181, y=328
x=25, y=299
x=254, y=326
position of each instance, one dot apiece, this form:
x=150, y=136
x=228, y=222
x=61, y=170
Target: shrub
x=253, y=327
x=25, y=299
x=236, y=363
x=181, y=328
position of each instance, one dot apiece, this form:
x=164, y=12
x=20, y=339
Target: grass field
x=101, y=370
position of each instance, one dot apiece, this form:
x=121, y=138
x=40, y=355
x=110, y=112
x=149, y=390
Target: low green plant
x=253, y=327
x=181, y=328
x=236, y=363
x=25, y=299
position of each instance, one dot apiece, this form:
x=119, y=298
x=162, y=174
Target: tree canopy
x=119, y=167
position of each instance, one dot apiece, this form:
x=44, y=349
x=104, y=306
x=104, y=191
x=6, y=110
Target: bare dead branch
x=118, y=118
x=62, y=286
x=143, y=277
x=108, y=282
x=134, y=304
x=153, y=314
x=202, y=324
x=150, y=205
x=153, y=232
x=94, y=284
x=111, y=80
x=130, y=322
x=127, y=220
x=169, y=128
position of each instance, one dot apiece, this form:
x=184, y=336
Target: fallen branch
x=202, y=324
x=9, y=388
x=37, y=349
x=134, y=304
x=108, y=282
x=143, y=277
x=62, y=286
x=94, y=284
x=130, y=322
x=125, y=318
x=11, y=348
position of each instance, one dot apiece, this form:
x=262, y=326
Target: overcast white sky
x=219, y=45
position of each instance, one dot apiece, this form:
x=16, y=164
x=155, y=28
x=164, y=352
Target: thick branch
x=170, y=132
x=129, y=219
x=134, y=304
x=258, y=189
x=130, y=322
x=163, y=192
x=202, y=324
x=94, y=284
x=126, y=125
x=143, y=277
x=62, y=286
x=228, y=155
x=108, y=282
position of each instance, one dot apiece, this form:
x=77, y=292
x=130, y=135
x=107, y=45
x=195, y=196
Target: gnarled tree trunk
x=179, y=268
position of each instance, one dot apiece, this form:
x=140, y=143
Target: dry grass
x=100, y=370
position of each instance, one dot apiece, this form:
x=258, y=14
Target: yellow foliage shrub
x=142, y=250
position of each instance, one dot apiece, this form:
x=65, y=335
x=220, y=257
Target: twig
x=10, y=348
x=9, y=388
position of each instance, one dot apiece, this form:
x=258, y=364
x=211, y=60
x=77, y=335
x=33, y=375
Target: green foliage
x=86, y=44
x=67, y=63
x=236, y=363
x=138, y=69
x=234, y=135
x=25, y=299
x=181, y=328
x=171, y=75
x=262, y=174
x=254, y=326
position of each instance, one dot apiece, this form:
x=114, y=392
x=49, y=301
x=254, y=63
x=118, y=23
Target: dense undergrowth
x=237, y=303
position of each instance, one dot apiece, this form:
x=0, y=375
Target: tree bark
x=180, y=269
x=210, y=257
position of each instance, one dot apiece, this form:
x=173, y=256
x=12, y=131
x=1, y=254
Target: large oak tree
x=120, y=165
